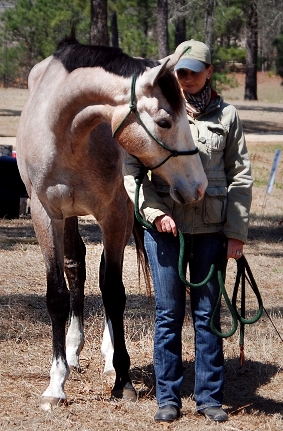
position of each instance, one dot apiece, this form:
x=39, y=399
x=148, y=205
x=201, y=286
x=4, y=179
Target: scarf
x=196, y=104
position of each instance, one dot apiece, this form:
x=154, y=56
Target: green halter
x=133, y=109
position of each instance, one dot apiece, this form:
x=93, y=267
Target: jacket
x=218, y=134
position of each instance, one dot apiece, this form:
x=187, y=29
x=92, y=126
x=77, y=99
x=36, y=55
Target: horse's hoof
x=47, y=403
x=128, y=393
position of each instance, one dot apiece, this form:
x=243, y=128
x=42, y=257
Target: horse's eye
x=165, y=124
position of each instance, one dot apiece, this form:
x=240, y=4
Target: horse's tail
x=138, y=232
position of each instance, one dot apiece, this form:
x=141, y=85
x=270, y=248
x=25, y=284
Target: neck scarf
x=196, y=104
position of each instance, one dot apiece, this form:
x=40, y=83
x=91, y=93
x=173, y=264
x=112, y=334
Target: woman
x=215, y=230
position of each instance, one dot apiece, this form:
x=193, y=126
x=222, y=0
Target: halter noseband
x=133, y=108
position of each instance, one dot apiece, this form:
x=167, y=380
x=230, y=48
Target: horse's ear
x=151, y=76
x=172, y=59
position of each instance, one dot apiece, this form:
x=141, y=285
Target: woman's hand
x=165, y=223
x=235, y=248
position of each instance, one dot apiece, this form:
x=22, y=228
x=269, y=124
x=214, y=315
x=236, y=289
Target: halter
x=133, y=108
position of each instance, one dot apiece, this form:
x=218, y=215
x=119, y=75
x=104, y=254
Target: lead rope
x=242, y=268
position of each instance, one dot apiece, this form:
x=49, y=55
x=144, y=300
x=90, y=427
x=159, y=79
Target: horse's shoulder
x=37, y=72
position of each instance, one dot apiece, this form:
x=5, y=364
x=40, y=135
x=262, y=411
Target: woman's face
x=193, y=82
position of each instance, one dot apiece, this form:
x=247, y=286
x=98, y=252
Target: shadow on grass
x=241, y=385
x=265, y=228
x=10, y=113
x=22, y=232
x=20, y=310
x=264, y=127
x=266, y=108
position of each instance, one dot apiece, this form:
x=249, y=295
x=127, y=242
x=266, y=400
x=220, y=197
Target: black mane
x=74, y=55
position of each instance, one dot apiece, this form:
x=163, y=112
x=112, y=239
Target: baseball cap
x=196, y=55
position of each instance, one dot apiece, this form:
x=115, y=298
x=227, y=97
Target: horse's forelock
x=74, y=55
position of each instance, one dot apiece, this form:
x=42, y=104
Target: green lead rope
x=242, y=268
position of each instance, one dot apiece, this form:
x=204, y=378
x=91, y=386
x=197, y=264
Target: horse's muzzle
x=196, y=195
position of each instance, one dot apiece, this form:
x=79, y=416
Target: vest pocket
x=216, y=138
x=215, y=204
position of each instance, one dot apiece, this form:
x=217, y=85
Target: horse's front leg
x=74, y=251
x=114, y=300
x=50, y=237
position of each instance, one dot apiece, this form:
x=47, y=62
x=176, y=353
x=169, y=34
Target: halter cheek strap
x=133, y=109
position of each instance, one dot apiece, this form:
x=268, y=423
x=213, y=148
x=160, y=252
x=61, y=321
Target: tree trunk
x=180, y=24
x=209, y=24
x=162, y=28
x=99, y=31
x=114, y=30
x=251, y=46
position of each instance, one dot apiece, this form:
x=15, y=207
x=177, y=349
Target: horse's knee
x=58, y=304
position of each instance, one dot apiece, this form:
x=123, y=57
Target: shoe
x=215, y=414
x=167, y=413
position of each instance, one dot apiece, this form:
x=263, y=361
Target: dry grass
x=253, y=393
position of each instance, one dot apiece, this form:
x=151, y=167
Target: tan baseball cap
x=196, y=55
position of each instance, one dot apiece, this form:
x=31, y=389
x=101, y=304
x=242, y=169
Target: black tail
x=138, y=232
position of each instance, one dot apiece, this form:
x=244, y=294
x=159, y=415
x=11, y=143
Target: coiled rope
x=243, y=273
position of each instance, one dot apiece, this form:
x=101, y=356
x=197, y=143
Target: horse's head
x=155, y=129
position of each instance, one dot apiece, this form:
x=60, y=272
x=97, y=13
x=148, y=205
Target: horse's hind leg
x=74, y=252
x=50, y=237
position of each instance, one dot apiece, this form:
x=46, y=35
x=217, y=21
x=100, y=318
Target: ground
x=253, y=392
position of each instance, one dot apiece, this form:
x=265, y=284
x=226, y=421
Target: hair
x=74, y=55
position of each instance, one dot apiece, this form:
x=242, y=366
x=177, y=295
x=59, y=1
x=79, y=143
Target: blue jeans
x=170, y=296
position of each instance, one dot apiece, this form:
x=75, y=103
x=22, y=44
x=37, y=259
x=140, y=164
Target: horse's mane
x=74, y=55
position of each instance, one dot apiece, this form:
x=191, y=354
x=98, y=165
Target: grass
x=269, y=88
x=262, y=163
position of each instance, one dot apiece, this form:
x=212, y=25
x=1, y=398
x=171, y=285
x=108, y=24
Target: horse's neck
x=94, y=86
x=80, y=100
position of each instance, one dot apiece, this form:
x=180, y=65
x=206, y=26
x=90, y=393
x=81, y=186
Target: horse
x=71, y=165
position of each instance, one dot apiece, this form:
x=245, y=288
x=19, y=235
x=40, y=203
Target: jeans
x=170, y=296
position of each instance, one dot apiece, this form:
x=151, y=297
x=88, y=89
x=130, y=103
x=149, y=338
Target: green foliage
x=137, y=22
x=232, y=54
x=224, y=60
x=229, y=21
x=222, y=81
x=32, y=29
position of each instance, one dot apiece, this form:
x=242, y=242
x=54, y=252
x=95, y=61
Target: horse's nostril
x=179, y=197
